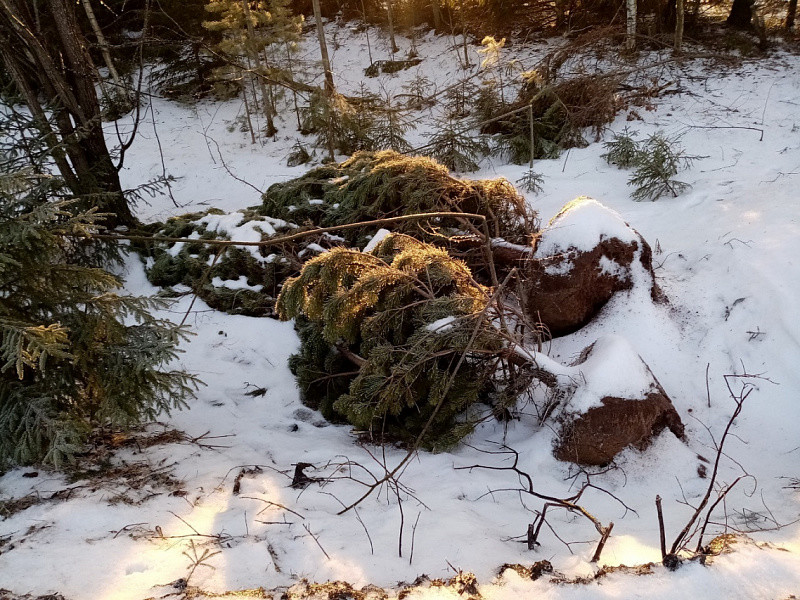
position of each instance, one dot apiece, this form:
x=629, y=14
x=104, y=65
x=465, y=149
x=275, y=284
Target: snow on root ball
x=584, y=256
x=618, y=404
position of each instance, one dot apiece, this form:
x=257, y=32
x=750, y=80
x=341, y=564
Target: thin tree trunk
x=630, y=34
x=294, y=92
x=366, y=30
x=40, y=117
x=104, y=50
x=791, y=10
x=464, y=32
x=330, y=89
x=255, y=58
x=679, y=18
x=270, y=100
x=390, y=15
x=247, y=113
x=437, y=14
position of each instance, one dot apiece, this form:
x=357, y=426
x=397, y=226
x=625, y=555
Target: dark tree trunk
x=741, y=14
x=48, y=60
x=790, y=13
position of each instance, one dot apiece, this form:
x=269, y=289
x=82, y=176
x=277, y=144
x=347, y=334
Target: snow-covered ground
x=726, y=255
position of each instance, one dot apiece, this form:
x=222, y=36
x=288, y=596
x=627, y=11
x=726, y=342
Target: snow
x=734, y=235
x=236, y=284
x=613, y=368
x=441, y=325
x=581, y=227
x=376, y=239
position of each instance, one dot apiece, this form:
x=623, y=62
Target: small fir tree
x=492, y=51
x=338, y=123
x=623, y=150
x=458, y=99
x=659, y=161
x=531, y=181
x=418, y=89
x=655, y=162
x=390, y=128
x=74, y=353
x=458, y=150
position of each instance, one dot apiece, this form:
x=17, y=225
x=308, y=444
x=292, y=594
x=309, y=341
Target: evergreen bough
x=75, y=354
x=399, y=341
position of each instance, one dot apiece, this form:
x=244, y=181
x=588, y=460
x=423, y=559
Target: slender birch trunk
x=630, y=35
x=679, y=18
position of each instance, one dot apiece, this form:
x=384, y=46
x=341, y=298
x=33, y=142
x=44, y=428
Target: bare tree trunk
x=366, y=30
x=40, y=117
x=294, y=92
x=437, y=14
x=791, y=10
x=255, y=58
x=330, y=89
x=57, y=59
x=630, y=34
x=248, y=112
x=104, y=50
x=679, y=18
x=462, y=10
x=390, y=15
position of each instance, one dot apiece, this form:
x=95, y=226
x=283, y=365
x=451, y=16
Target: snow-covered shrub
x=239, y=281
